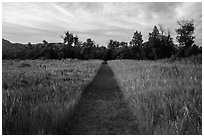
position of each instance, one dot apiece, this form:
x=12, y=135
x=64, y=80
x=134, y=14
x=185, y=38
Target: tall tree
x=166, y=41
x=45, y=42
x=68, y=38
x=136, y=44
x=88, y=49
x=89, y=43
x=154, y=43
x=185, y=33
x=76, y=40
x=110, y=44
x=137, y=39
x=155, y=32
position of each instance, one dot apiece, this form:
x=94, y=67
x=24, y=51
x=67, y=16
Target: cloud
x=102, y=21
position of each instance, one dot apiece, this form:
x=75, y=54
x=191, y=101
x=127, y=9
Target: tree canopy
x=159, y=45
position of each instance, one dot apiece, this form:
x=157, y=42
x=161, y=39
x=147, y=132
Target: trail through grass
x=102, y=108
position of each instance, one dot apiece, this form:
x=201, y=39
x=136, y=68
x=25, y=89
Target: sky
x=100, y=21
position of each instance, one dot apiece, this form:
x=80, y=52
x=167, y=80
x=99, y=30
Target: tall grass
x=165, y=97
x=39, y=96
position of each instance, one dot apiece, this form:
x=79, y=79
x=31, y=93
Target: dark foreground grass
x=102, y=109
x=166, y=98
x=39, y=95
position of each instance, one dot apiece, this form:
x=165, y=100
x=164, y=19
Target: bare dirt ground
x=102, y=109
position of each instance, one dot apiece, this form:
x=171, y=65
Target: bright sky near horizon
x=100, y=21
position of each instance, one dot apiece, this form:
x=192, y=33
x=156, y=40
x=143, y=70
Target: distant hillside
x=38, y=50
x=8, y=49
x=8, y=44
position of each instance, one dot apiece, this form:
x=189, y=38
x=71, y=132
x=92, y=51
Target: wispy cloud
x=33, y=22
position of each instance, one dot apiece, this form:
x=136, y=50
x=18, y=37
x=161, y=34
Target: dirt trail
x=102, y=109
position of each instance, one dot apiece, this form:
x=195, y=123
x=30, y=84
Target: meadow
x=38, y=96
x=41, y=96
x=164, y=95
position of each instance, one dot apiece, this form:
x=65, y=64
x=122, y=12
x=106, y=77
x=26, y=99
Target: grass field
x=166, y=97
x=157, y=97
x=39, y=95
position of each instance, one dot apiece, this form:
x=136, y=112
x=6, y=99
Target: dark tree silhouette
x=45, y=42
x=154, y=43
x=167, y=45
x=160, y=44
x=185, y=37
x=76, y=40
x=110, y=44
x=68, y=38
x=185, y=33
x=136, y=44
x=137, y=39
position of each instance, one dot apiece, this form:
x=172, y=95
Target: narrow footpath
x=102, y=109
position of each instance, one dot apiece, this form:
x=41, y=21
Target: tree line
x=159, y=45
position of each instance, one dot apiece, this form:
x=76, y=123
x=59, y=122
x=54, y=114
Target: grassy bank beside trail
x=165, y=97
x=39, y=95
